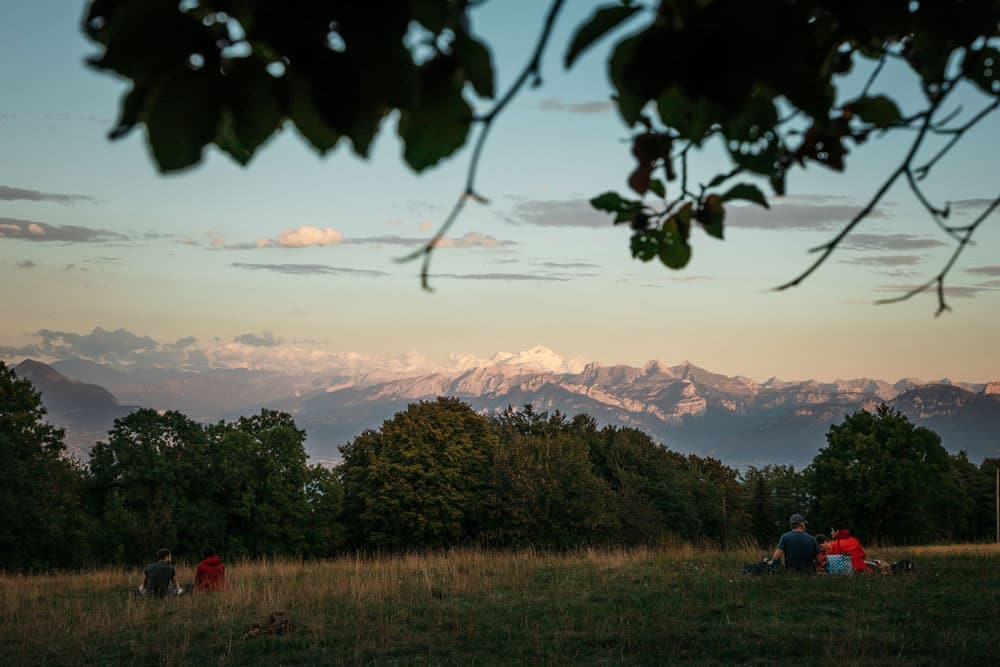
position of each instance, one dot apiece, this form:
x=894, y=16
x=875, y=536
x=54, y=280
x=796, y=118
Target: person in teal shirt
x=797, y=547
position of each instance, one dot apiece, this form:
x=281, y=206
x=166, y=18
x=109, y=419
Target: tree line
x=438, y=475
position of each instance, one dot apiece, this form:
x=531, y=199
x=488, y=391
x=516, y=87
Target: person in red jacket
x=843, y=543
x=210, y=575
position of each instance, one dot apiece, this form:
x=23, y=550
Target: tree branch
x=969, y=230
x=957, y=132
x=531, y=69
x=827, y=248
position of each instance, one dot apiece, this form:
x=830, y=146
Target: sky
x=290, y=263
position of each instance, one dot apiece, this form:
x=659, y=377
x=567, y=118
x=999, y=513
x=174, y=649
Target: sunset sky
x=292, y=258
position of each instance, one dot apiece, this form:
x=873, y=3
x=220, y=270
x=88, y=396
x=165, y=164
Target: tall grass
x=645, y=606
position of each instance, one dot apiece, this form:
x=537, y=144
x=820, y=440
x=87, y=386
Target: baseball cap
x=796, y=519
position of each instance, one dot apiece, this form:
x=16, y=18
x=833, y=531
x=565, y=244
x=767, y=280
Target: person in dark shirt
x=160, y=578
x=797, y=547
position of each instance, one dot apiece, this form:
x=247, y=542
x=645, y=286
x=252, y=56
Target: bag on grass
x=839, y=564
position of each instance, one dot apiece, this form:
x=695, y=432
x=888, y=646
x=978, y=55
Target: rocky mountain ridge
x=688, y=408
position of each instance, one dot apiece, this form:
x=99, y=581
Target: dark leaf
x=308, y=121
x=878, y=110
x=983, y=68
x=630, y=103
x=630, y=213
x=657, y=187
x=131, y=111
x=747, y=192
x=611, y=202
x=477, y=63
x=437, y=125
x=182, y=117
x=646, y=244
x=603, y=21
x=712, y=215
x=432, y=14
x=253, y=112
x=691, y=119
x=639, y=179
x=674, y=250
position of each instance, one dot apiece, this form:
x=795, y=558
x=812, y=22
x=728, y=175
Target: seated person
x=843, y=543
x=210, y=575
x=798, y=547
x=821, y=541
x=160, y=578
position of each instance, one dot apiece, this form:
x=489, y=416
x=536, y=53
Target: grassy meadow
x=644, y=606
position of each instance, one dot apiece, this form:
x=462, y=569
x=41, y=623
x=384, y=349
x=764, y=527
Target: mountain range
x=736, y=419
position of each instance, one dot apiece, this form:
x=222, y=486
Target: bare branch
x=874, y=75
x=938, y=215
x=531, y=70
x=969, y=230
x=827, y=248
x=921, y=172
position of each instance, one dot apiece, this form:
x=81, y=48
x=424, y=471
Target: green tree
x=880, y=475
x=418, y=480
x=649, y=481
x=325, y=500
x=260, y=470
x=774, y=493
x=717, y=498
x=147, y=484
x=543, y=491
x=757, y=79
x=42, y=523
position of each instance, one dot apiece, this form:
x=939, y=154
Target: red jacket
x=843, y=543
x=210, y=575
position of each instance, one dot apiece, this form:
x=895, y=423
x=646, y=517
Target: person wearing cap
x=797, y=547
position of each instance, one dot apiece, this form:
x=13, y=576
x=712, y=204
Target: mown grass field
x=646, y=606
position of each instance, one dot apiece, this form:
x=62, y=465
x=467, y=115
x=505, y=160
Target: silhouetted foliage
x=42, y=523
x=760, y=78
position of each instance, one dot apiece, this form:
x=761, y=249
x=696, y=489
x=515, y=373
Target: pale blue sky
x=578, y=293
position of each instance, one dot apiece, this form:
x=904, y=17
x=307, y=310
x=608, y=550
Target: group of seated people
x=160, y=578
x=801, y=552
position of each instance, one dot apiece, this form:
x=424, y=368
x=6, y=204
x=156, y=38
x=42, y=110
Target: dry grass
x=475, y=607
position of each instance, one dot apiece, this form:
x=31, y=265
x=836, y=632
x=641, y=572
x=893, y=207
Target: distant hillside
x=86, y=411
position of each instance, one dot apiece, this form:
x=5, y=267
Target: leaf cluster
x=232, y=72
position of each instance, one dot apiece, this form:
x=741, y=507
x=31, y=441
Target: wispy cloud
x=985, y=270
x=957, y=291
x=556, y=213
x=884, y=260
x=889, y=242
x=467, y=240
x=568, y=265
x=505, y=277
x=590, y=106
x=798, y=213
x=307, y=269
x=973, y=203
x=27, y=230
x=8, y=193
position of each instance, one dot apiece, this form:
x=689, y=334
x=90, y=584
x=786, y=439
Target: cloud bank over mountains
x=265, y=351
